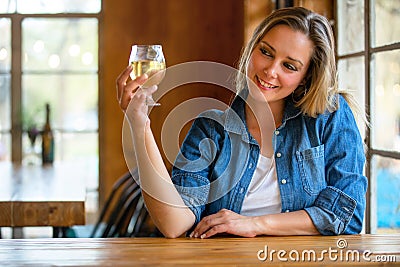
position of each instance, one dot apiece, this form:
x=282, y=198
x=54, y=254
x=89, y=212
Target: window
x=369, y=65
x=5, y=88
x=49, y=54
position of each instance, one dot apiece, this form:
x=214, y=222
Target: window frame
x=367, y=54
x=16, y=129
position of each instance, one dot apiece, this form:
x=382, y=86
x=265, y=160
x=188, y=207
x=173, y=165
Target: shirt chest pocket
x=312, y=169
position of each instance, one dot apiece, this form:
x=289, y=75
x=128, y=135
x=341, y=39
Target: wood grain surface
x=220, y=251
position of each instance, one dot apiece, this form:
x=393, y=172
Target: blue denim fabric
x=319, y=165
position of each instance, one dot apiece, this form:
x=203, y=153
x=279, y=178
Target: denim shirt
x=319, y=164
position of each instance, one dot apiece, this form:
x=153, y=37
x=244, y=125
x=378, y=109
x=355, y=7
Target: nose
x=272, y=70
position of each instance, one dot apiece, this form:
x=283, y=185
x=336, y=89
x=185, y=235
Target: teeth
x=268, y=85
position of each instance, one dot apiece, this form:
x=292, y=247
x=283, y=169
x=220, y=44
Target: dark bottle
x=47, y=140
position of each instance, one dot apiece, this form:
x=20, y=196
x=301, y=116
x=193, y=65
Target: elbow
x=172, y=236
x=174, y=226
x=353, y=228
x=171, y=230
x=172, y=233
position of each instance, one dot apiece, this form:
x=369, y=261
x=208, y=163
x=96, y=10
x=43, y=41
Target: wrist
x=261, y=225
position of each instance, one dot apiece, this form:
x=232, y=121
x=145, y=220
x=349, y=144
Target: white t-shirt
x=263, y=195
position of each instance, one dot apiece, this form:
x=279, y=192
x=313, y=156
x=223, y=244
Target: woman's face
x=278, y=64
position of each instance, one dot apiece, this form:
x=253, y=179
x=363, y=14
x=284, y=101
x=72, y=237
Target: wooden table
x=360, y=250
x=42, y=195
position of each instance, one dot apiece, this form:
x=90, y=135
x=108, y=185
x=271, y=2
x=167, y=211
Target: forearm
x=164, y=203
x=288, y=223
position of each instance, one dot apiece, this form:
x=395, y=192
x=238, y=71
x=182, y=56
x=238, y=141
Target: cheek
x=255, y=64
x=291, y=82
x=250, y=67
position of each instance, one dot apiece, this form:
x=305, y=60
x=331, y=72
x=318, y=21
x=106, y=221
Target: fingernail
x=203, y=236
x=196, y=235
x=191, y=235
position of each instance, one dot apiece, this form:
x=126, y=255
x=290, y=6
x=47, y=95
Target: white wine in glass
x=148, y=59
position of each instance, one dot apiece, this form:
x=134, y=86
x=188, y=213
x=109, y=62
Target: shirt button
x=283, y=181
x=278, y=155
x=287, y=210
x=276, y=132
x=241, y=190
x=250, y=165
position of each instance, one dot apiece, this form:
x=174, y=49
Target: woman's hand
x=226, y=221
x=132, y=99
x=126, y=89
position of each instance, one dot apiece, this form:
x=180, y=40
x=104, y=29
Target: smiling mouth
x=265, y=85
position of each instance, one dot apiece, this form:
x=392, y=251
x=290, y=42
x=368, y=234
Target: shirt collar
x=291, y=111
x=235, y=115
x=235, y=121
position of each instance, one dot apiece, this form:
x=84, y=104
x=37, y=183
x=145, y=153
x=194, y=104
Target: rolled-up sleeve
x=333, y=211
x=194, y=190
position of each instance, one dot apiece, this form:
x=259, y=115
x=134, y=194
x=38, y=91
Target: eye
x=265, y=51
x=290, y=66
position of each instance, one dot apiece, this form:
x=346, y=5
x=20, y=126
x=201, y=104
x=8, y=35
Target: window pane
x=58, y=6
x=5, y=45
x=351, y=77
x=384, y=21
x=77, y=149
x=80, y=149
x=385, y=112
x=5, y=103
x=350, y=26
x=72, y=98
x=76, y=146
x=7, y=6
x=5, y=146
x=59, y=44
x=387, y=176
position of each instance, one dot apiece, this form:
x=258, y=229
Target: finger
x=218, y=229
x=121, y=81
x=205, y=224
x=130, y=89
x=138, y=103
x=138, y=81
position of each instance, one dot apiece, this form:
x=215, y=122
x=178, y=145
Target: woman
x=231, y=179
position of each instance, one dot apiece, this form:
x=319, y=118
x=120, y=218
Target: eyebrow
x=273, y=49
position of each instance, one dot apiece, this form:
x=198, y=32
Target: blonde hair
x=320, y=80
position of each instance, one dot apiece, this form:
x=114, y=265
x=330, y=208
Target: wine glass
x=148, y=59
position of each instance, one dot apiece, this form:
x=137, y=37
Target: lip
x=265, y=85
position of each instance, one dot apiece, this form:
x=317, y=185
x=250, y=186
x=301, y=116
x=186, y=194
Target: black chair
x=124, y=213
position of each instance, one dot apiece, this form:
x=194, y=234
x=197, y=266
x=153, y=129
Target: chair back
x=115, y=215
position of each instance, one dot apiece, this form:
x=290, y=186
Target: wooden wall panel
x=255, y=12
x=323, y=7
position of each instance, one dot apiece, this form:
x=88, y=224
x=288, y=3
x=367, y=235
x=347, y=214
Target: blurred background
x=68, y=53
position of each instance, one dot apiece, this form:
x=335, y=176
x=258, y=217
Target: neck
x=277, y=109
x=260, y=120
x=261, y=111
